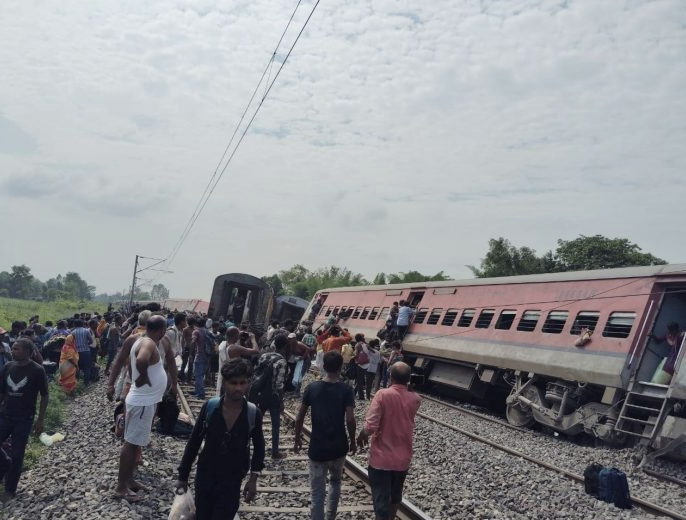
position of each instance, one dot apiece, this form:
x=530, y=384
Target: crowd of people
x=145, y=354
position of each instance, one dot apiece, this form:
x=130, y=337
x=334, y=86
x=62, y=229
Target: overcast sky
x=401, y=134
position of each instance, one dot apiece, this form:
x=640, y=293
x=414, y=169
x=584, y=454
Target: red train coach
x=522, y=333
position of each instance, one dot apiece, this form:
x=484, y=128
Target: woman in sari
x=69, y=362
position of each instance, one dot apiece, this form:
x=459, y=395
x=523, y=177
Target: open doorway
x=672, y=310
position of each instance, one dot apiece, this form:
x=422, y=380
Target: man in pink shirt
x=390, y=424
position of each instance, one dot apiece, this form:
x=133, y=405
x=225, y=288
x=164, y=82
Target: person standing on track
x=390, y=424
x=333, y=405
x=83, y=337
x=225, y=459
x=21, y=380
x=149, y=382
x=336, y=340
x=202, y=358
x=231, y=349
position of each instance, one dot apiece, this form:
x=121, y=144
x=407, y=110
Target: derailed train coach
x=244, y=298
x=573, y=351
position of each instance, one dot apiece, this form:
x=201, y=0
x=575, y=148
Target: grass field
x=12, y=309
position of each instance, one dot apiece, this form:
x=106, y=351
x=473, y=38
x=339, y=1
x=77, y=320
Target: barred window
x=528, y=321
x=555, y=322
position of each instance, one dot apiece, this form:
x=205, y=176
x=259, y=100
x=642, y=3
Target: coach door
x=672, y=310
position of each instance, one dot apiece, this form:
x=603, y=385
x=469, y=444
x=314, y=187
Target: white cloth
x=223, y=351
x=176, y=339
x=147, y=394
x=374, y=359
x=138, y=423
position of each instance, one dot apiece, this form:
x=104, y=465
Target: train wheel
x=520, y=416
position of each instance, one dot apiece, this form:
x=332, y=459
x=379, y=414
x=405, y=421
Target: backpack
x=261, y=388
x=213, y=404
x=614, y=488
x=591, y=479
x=362, y=358
x=209, y=344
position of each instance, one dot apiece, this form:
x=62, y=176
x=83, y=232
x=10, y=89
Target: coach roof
x=571, y=276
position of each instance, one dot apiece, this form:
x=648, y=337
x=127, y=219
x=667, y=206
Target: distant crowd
x=146, y=353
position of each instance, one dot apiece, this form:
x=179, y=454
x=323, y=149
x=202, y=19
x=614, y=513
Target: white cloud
x=400, y=135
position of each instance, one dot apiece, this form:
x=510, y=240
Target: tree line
x=501, y=259
x=20, y=283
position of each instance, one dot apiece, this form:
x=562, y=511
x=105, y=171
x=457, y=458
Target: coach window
x=505, y=320
x=449, y=317
x=466, y=318
x=434, y=317
x=356, y=313
x=619, y=324
x=529, y=320
x=335, y=310
x=485, y=318
x=328, y=311
x=555, y=322
x=584, y=320
x=374, y=313
x=384, y=313
x=421, y=314
x=365, y=313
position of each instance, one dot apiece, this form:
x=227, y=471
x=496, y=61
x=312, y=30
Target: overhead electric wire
x=216, y=177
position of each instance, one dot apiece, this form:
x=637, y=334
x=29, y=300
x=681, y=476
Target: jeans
x=86, y=365
x=185, y=354
x=402, y=330
x=216, y=499
x=274, y=410
x=360, y=382
x=20, y=429
x=318, y=471
x=199, y=367
x=306, y=366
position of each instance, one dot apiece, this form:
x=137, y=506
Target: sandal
x=129, y=497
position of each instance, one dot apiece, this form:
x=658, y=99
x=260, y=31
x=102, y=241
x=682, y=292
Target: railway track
x=284, y=485
x=647, y=506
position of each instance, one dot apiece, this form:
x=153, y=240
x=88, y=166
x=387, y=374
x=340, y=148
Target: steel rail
x=406, y=511
x=644, y=504
x=495, y=420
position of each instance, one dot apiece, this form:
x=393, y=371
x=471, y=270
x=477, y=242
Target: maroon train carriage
x=521, y=333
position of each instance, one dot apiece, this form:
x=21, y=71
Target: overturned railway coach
x=575, y=351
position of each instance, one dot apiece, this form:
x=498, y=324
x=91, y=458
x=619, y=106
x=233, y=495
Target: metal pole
x=133, y=283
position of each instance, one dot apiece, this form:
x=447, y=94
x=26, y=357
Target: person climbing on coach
x=333, y=405
x=405, y=314
x=227, y=425
x=21, y=380
x=390, y=424
x=149, y=384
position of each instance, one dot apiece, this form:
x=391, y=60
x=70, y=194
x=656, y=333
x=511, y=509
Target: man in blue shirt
x=83, y=338
x=405, y=313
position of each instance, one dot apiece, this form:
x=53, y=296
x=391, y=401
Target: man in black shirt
x=21, y=380
x=333, y=405
x=225, y=458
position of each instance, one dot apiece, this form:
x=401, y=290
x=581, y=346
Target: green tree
x=504, y=259
x=20, y=281
x=379, y=279
x=77, y=288
x=300, y=281
x=599, y=252
x=416, y=276
x=159, y=292
x=274, y=281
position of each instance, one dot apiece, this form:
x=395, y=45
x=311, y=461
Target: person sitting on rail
x=225, y=459
x=333, y=405
x=674, y=338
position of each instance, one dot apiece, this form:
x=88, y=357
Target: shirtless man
x=231, y=349
x=149, y=383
